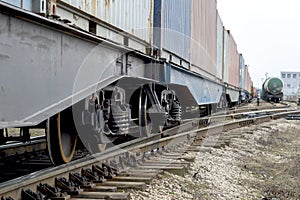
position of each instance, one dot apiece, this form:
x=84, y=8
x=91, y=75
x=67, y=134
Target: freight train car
x=298, y=94
x=246, y=82
x=272, y=90
x=99, y=71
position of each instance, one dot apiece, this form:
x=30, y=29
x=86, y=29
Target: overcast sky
x=267, y=33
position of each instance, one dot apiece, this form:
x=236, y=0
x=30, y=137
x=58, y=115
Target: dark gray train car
x=99, y=71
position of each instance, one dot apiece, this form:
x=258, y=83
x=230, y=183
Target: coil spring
x=175, y=111
x=119, y=121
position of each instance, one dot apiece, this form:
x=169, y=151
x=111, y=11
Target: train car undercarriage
x=78, y=86
x=107, y=115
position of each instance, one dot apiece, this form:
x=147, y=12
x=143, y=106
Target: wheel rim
x=145, y=125
x=61, y=138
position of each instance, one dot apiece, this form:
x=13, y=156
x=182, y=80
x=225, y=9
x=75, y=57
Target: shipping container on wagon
x=204, y=37
x=234, y=63
x=246, y=74
x=220, y=47
x=226, y=55
x=231, y=60
x=248, y=82
x=172, y=30
x=242, y=73
x=131, y=16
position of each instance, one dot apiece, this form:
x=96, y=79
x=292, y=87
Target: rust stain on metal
x=107, y=3
x=94, y=7
x=51, y=7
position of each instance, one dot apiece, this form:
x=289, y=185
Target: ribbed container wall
x=246, y=74
x=226, y=56
x=234, y=62
x=248, y=81
x=17, y=3
x=132, y=16
x=242, y=72
x=250, y=87
x=25, y=4
x=204, y=37
x=172, y=26
x=220, y=47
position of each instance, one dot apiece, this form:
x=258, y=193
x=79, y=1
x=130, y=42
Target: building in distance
x=291, y=90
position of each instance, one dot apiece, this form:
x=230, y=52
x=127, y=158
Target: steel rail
x=19, y=148
x=252, y=109
x=133, y=149
x=39, y=143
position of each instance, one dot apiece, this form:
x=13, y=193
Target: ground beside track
x=262, y=164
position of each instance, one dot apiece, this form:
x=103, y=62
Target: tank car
x=71, y=69
x=272, y=90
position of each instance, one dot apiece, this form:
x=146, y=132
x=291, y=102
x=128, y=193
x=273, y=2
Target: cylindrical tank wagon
x=80, y=71
x=272, y=89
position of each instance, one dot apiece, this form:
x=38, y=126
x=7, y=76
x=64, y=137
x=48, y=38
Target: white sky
x=267, y=33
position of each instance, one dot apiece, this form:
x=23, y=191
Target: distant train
x=272, y=90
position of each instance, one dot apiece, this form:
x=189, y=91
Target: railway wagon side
x=189, y=42
x=204, y=37
x=131, y=26
x=67, y=78
x=248, y=81
x=243, y=94
x=82, y=74
x=231, y=75
x=172, y=30
x=169, y=38
x=220, y=48
x=245, y=82
x=242, y=74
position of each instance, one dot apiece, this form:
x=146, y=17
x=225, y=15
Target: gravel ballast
x=264, y=163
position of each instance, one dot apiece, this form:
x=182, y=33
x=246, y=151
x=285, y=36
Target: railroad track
x=35, y=144
x=130, y=165
x=252, y=107
x=39, y=143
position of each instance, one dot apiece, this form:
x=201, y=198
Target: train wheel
x=145, y=125
x=139, y=102
x=61, y=137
